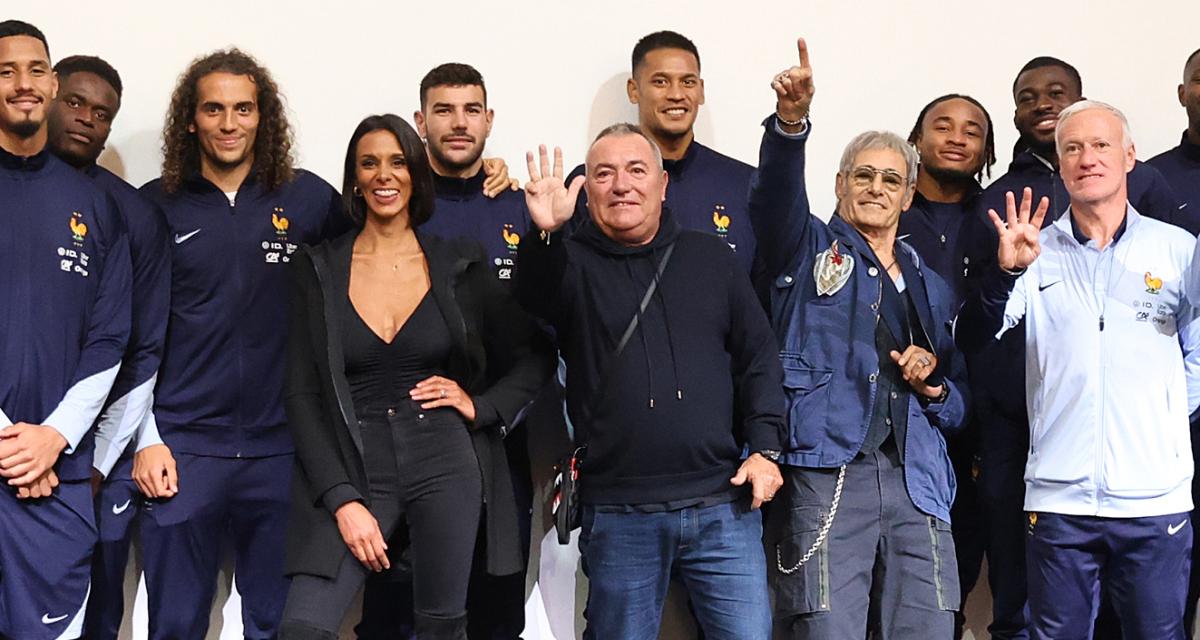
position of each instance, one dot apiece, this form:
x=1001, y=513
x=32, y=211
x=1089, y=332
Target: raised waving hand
x=1019, y=245
x=550, y=202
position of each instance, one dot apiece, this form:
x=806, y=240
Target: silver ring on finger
x=925, y=362
x=443, y=393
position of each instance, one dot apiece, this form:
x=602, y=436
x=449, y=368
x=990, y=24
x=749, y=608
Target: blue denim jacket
x=827, y=342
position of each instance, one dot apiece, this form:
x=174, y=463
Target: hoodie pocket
x=807, y=391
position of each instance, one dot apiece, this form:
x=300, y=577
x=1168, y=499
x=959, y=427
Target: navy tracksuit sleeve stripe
x=132, y=396
x=105, y=340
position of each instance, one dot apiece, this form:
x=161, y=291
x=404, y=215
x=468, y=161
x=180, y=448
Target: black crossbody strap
x=633, y=322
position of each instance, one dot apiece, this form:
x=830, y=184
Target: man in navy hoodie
x=81, y=117
x=954, y=137
x=1043, y=88
x=1181, y=167
x=708, y=189
x=65, y=280
x=237, y=210
x=666, y=389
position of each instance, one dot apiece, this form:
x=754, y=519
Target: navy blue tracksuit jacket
x=1180, y=166
x=220, y=386
x=65, y=281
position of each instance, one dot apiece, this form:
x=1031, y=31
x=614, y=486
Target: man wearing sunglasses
x=874, y=386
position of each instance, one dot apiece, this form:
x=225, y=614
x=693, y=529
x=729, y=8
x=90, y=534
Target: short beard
x=26, y=129
x=453, y=166
x=943, y=175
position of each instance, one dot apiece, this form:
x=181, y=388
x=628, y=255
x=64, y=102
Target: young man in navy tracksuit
x=1181, y=164
x=65, y=281
x=81, y=116
x=455, y=121
x=1181, y=167
x=1043, y=88
x=955, y=139
x=237, y=211
x=707, y=189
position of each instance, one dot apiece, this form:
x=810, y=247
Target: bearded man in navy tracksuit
x=81, y=116
x=65, y=280
x=237, y=212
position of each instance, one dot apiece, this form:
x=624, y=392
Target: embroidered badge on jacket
x=832, y=270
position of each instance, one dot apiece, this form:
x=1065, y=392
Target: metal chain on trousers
x=821, y=535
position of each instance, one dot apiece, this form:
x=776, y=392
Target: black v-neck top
x=382, y=373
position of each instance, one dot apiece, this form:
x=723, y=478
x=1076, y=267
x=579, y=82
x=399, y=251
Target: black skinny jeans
x=421, y=466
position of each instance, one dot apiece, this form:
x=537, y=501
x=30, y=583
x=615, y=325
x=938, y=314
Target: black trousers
x=421, y=468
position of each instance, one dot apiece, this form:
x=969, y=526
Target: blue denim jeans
x=717, y=552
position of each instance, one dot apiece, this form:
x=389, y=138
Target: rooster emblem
x=512, y=238
x=78, y=228
x=1153, y=285
x=279, y=222
x=720, y=220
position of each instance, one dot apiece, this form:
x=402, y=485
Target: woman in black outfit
x=407, y=364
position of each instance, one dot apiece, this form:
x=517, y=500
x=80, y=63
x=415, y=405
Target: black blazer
x=498, y=356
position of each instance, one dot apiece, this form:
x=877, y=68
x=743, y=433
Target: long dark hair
x=989, y=141
x=420, y=204
x=273, y=159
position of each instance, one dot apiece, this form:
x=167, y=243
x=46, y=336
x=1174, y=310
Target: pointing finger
x=802, y=48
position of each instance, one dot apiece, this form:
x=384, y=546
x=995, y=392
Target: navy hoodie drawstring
x=670, y=340
x=637, y=309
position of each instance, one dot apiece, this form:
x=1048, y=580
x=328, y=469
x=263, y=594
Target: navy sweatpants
x=45, y=559
x=1144, y=562
x=1004, y=448
x=117, y=504
x=244, y=500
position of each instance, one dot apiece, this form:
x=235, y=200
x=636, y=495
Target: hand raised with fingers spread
x=1019, y=245
x=794, y=87
x=550, y=202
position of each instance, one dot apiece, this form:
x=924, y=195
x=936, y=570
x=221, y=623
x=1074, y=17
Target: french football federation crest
x=1153, y=285
x=832, y=270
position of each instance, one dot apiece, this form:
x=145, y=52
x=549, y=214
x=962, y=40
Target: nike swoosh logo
x=1043, y=287
x=121, y=509
x=180, y=239
x=1173, y=529
x=46, y=619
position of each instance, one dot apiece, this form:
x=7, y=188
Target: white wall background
x=556, y=74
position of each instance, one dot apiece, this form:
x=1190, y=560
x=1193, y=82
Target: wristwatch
x=769, y=454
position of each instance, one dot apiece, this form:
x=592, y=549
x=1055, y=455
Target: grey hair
x=630, y=129
x=1088, y=105
x=869, y=140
